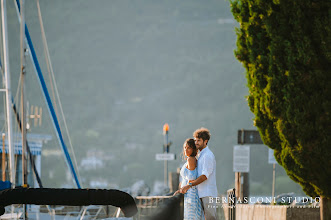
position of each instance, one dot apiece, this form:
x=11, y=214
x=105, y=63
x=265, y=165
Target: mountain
x=123, y=69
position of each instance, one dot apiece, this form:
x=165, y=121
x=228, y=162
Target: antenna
x=36, y=114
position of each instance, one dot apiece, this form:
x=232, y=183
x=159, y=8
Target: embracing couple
x=198, y=178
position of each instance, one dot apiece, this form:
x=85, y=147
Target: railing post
x=231, y=194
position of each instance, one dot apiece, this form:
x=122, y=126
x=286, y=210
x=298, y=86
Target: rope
x=53, y=81
x=46, y=52
x=2, y=56
x=4, y=110
x=16, y=128
x=3, y=79
x=28, y=148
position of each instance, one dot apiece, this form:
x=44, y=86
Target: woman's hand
x=177, y=192
x=185, y=188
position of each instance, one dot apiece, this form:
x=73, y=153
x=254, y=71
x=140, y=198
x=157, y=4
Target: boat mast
x=23, y=121
x=8, y=93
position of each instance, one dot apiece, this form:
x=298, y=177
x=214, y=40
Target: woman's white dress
x=192, y=203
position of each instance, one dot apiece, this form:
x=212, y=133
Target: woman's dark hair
x=190, y=142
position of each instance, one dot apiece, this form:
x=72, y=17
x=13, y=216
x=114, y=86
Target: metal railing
x=37, y=212
x=231, y=196
x=160, y=207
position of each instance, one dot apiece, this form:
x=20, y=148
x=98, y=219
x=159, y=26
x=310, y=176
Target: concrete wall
x=260, y=212
x=275, y=212
x=303, y=213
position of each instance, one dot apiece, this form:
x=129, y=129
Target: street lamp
x=166, y=146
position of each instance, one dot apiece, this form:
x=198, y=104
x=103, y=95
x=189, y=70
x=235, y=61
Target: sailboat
x=41, y=195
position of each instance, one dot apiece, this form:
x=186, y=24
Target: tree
x=285, y=47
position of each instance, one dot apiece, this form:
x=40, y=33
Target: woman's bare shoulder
x=191, y=163
x=192, y=159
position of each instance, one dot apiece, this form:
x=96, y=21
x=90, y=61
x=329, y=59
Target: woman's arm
x=178, y=191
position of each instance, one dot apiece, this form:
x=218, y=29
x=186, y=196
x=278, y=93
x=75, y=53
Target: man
x=206, y=181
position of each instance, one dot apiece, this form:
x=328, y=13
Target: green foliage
x=285, y=48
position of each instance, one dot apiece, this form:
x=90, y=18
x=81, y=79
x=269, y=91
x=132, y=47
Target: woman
x=192, y=204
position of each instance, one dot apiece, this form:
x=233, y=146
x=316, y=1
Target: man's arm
x=198, y=180
x=207, y=164
x=195, y=182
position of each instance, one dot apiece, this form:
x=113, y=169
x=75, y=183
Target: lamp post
x=166, y=150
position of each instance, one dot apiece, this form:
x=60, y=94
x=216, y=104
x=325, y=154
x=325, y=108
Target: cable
x=46, y=52
x=3, y=79
x=4, y=110
x=2, y=56
x=28, y=148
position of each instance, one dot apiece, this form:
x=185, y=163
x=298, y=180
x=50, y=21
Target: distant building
x=91, y=163
x=99, y=154
x=95, y=153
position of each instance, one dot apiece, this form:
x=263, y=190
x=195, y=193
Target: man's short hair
x=202, y=133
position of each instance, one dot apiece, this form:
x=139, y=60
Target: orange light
x=165, y=127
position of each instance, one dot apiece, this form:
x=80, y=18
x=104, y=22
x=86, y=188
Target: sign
x=249, y=137
x=271, y=157
x=241, y=158
x=164, y=156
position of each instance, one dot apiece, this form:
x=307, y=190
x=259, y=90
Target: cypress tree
x=285, y=47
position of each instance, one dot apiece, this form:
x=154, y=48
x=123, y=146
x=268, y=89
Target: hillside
x=123, y=69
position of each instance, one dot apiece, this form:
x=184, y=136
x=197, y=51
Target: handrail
x=153, y=197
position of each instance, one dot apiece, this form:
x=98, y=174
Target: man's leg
x=209, y=209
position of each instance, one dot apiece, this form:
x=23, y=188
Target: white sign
x=164, y=156
x=241, y=158
x=271, y=157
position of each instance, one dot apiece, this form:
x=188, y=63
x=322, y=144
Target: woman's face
x=187, y=150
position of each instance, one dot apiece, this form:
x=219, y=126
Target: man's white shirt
x=207, y=167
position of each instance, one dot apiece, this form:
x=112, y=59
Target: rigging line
x=51, y=72
x=4, y=111
x=4, y=94
x=28, y=147
x=46, y=52
x=2, y=75
x=18, y=89
x=37, y=176
x=50, y=108
x=15, y=100
x=2, y=56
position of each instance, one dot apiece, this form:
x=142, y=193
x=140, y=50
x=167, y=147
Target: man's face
x=200, y=143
